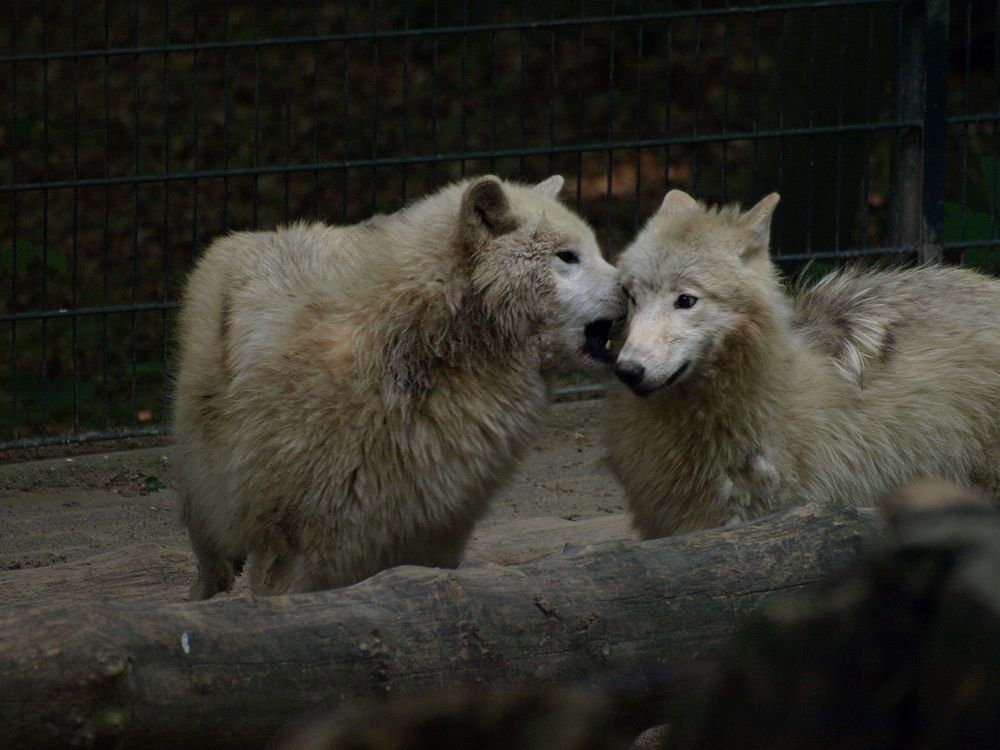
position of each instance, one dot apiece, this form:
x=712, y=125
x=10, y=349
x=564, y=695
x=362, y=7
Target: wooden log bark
x=233, y=671
x=902, y=653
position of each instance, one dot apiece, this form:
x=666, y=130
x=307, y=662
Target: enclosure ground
x=105, y=526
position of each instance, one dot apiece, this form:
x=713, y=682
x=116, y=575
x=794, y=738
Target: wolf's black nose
x=630, y=373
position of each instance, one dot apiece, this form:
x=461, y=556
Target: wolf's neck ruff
x=439, y=326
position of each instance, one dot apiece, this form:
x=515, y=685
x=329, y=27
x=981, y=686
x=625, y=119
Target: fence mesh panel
x=134, y=132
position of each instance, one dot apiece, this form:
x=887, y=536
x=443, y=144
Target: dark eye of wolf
x=567, y=256
x=685, y=301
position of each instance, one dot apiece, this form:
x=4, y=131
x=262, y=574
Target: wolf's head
x=695, y=278
x=535, y=261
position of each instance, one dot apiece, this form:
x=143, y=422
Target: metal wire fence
x=133, y=132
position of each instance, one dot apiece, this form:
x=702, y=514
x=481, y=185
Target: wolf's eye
x=685, y=301
x=568, y=256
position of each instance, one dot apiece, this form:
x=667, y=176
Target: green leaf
x=153, y=484
x=988, y=168
x=976, y=224
x=28, y=254
x=978, y=258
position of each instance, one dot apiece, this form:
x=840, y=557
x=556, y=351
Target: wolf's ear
x=757, y=221
x=486, y=210
x=551, y=187
x=677, y=202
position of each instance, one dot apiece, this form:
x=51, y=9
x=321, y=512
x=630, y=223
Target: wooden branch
x=233, y=671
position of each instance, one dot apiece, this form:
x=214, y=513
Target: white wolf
x=348, y=398
x=744, y=400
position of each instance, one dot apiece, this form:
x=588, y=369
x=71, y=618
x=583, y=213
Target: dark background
x=132, y=133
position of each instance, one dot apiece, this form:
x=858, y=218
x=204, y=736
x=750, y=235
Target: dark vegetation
x=128, y=162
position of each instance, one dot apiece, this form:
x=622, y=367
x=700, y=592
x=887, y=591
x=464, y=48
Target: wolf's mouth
x=597, y=340
x=666, y=384
x=680, y=371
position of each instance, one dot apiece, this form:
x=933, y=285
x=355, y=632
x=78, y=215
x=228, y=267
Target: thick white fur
x=349, y=398
x=839, y=394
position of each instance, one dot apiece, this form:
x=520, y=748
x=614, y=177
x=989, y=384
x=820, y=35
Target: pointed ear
x=486, y=210
x=677, y=202
x=551, y=187
x=757, y=221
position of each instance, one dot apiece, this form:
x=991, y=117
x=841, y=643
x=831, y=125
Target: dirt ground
x=105, y=526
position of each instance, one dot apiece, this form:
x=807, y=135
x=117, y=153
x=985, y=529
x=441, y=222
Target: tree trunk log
x=233, y=671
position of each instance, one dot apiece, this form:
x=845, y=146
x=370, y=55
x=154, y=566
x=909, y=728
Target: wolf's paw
x=205, y=587
x=764, y=472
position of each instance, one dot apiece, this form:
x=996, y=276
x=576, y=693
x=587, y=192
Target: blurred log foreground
x=234, y=671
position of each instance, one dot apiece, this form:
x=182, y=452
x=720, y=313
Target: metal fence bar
x=726, y=62
x=195, y=128
x=66, y=312
x=912, y=75
x=404, y=172
x=968, y=244
x=133, y=288
x=994, y=186
x=866, y=180
x=696, y=83
x=581, y=46
x=755, y=108
x=493, y=83
x=434, y=98
x=782, y=95
x=374, y=118
x=165, y=254
x=13, y=230
x=811, y=179
x=841, y=86
x=522, y=114
x=106, y=232
x=286, y=195
x=316, y=122
x=75, y=230
x=455, y=156
x=225, y=116
x=552, y=85
x=610, y=160
x=923, y=92
x=84, y=437
x=980, y=119
x=45, y=221
x=439, y=31
x=966, y=103
x=637, y=194
x=935, y=129
x=255, y=196
x=345, y=120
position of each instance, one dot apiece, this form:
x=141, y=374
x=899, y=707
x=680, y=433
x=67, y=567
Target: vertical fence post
x=935, y=128
x=923, y=99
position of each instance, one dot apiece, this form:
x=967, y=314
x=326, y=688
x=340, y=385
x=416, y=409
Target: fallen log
x=233, y=671
x=902, y=653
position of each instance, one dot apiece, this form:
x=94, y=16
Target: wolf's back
x=863, y=319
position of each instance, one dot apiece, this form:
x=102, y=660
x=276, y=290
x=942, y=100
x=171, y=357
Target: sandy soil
x=104, y=526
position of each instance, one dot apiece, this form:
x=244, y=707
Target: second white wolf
x=743, y=400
